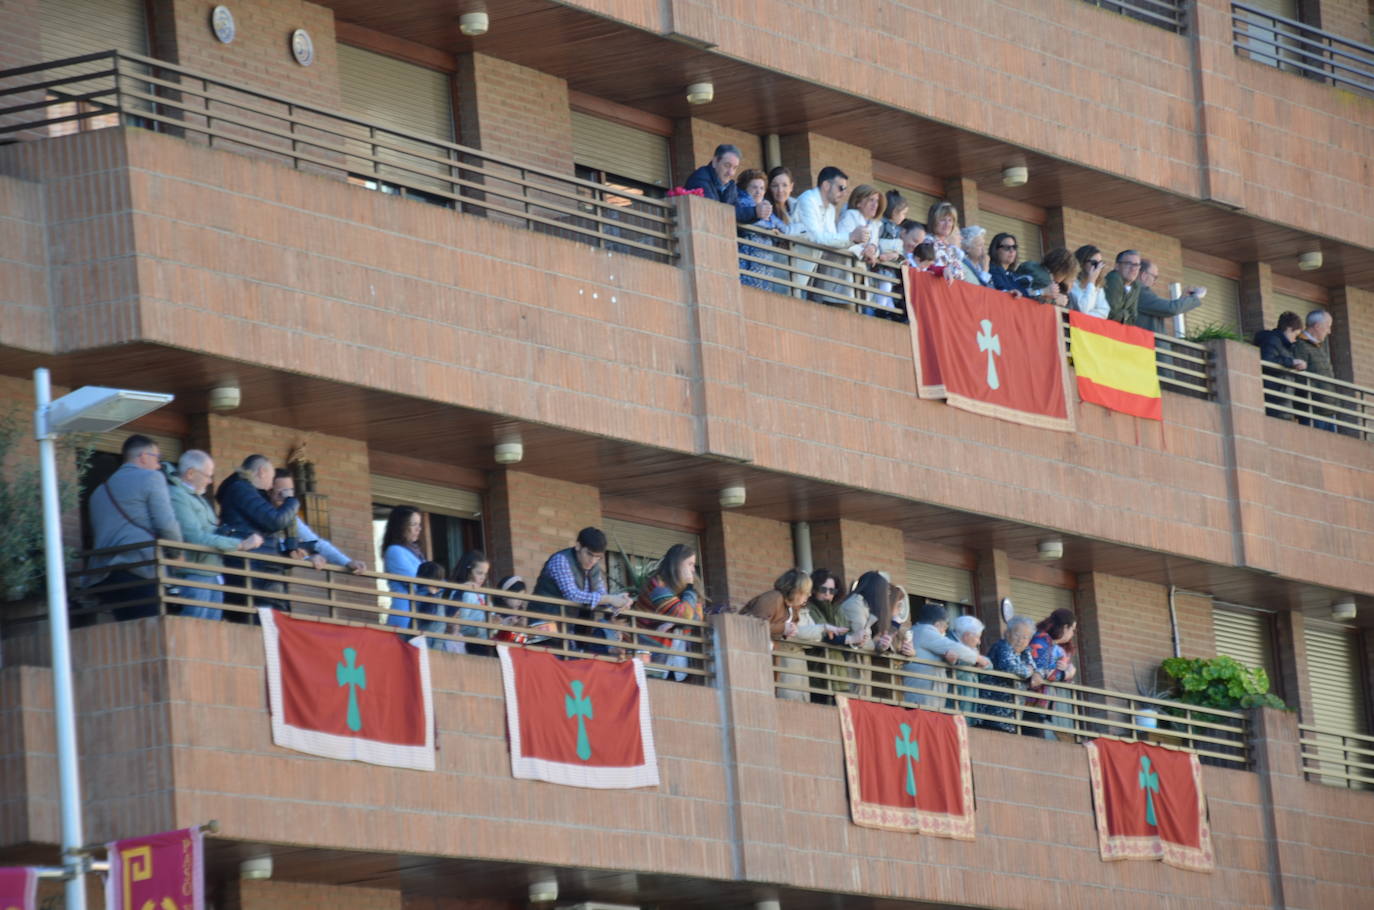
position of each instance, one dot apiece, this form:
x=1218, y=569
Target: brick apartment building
x=405, y=245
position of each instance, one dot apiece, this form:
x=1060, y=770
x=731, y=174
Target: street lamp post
x=87, y=410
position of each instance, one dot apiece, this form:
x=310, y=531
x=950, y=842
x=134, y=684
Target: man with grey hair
x=1311, y=346
x=195, y=473
x=1123, y=287
x=131, y=507
x=716, y=180
x=932, y=644
x=1154, y=312
x=1010, y=654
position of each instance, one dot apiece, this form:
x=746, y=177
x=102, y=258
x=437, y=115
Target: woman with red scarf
x=671, y=593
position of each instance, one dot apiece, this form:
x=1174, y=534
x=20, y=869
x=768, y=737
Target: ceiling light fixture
x=473, y=24
x=700, y=93
x=1016, y=175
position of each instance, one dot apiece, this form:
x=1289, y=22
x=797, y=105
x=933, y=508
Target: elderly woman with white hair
x=932, y=644
x=968, y=631
x=1010, y=654
x=977, y=264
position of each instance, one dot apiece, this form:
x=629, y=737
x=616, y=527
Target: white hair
x=194, y=460
x=966, y=624
x=1017, y=622
x=1316, y=317
x=970, y=235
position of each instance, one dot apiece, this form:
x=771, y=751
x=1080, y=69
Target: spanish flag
x=1115, y=364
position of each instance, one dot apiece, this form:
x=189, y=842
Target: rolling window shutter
x=620, y=150
x=1333, y=674
x=644, y=541
x=1247, y=636
x=1284, y=302
x=1220, y=307
x=919, y=202
x=1038, y=601
x=71, y=28
x=924, y=580
x=392, y=93
x=428, y=497
x=1029, y=245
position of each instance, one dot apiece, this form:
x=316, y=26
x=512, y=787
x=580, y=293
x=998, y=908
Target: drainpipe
x=801, y=546
x=772, y=151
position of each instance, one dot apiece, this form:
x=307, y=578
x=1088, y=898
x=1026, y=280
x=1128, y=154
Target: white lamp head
x=1344, y=609
x=732, y=497
x=700, y=93
x=1310, y=261
x=509, y=452
x=1015, y=175
x=544, y=891
x=1050, y=548
x=256, y=869
x=94, y=409
x=474, y=24
x=225, y=398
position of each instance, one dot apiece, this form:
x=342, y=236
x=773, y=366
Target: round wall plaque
x=1008, y=609
x=302, y=48
x=222, y=24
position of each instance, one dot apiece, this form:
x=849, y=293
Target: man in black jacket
x=245, y=508
x=1276, y=346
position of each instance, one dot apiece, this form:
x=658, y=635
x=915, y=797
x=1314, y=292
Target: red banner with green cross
x=1149, y=804
x=348, y=692
x=160, y=872
x=582, y=722
x=908, y=769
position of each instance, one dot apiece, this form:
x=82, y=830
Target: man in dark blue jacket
x=244, y=509
x=1276, y=346
x=716, y=180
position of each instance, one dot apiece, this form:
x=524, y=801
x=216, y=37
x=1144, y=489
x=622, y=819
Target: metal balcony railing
x=789, y=264
x=1274, y=40
x=1337, y=758
x=333, y=593
x=1066, y=711
x=1312, y=400
x=1171, y=15
x=116, y=89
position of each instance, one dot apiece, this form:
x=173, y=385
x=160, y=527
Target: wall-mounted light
x=225, y=398
x=1016, y=175
x=732, y=497
x=1050, y=548
x=1343, y=609
x=256, y=869
x=544, y=891
x=1310, y=261
x=473, y=24
x=700, y=93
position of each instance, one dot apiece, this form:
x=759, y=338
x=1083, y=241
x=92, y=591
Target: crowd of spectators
x=844, y=246
x=144, y=500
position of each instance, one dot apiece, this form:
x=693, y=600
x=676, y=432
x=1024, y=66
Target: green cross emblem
x=1149, y=782
x=580, y=706
x=355, y=678
x=909, y=749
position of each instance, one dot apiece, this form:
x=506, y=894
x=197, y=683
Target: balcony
x=175, y=731
x=1294, y=47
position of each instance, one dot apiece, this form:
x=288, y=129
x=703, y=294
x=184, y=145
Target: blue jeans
x=205, y=596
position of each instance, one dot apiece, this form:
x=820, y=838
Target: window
x=1030, y=247
x=942, y=584
x=634, y=549
x=451, y=518
x=1221, y=306
x=1248, y=636
x=1038, y=601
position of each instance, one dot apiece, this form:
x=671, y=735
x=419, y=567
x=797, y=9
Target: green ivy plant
x=22, y=566
x=1214, y=331
x=1220, y=682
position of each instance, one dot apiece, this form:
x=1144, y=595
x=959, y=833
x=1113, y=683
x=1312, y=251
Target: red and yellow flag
x=1115, y=364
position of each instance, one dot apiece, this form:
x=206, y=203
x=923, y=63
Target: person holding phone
x=1086, y=294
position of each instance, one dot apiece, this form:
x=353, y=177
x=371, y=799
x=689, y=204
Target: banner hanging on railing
x=18, y=888
x=584, y=723
x=1149, y=804
x=1115, y=365
x=986, y=352
x=162, y=872
x=349, y=692
x=908, y=769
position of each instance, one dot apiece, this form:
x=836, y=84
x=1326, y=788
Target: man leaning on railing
x=131, y=507
x=199, y=525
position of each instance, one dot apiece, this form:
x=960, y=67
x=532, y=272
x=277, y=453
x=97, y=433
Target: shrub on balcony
x=22, y=571
x=1220, y=682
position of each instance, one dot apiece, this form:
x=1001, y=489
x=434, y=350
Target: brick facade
x=806, y=153
x=851, y=548
x=531, y=517
x=695, y=141
x=514, y=112
x=743, y=556
x=279, y=895
x=260, y=55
